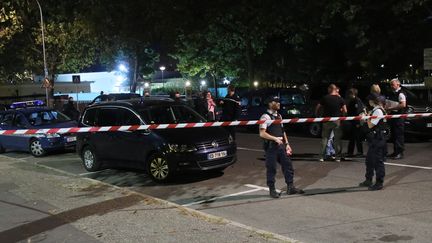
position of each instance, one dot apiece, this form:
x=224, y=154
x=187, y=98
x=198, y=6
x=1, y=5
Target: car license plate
x=429, y=125
x=70, y=139
x=217, y=155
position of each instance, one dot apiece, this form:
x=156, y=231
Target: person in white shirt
x=398, y=124
x=277, y=149
x=376, y=155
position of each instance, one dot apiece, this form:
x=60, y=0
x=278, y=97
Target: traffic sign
x=46, y=83
x=76, y=79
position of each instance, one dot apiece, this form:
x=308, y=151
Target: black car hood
x=192, y=135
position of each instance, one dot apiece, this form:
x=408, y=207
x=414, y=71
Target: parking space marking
x=90, y=173
x=387, y=163
x=409, y=166
x=261, y=188
x=221, y=197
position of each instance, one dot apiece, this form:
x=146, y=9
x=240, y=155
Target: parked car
x=25, y=116
x=114, y=97
x=293, y=105
x=162, y=153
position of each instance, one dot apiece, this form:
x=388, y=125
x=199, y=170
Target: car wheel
x=158, y=168
x=315, y=129
x=2, y=150
x=90, y=160
x=36, y=149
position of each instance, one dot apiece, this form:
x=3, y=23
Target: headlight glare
x=52, y=135
x=180, y=148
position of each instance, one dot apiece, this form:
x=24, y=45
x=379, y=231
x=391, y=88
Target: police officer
x=376, y=155
x=397, y=124
x=277, y=149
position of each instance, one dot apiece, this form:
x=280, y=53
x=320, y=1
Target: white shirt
x=266, y=117
x=376, y=112
x=401, y=97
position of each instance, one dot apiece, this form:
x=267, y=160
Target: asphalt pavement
x=333, y=209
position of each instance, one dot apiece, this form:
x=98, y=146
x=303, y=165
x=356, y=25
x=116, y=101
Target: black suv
x=161, y=152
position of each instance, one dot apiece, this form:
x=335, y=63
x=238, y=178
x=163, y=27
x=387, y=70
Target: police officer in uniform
x=376, y=155
x=277, y=149
x=397, y=124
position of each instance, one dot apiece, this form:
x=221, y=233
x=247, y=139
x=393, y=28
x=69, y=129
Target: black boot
x=377, y=186
x=273, y=192
x=366, y=183
x=291, y=189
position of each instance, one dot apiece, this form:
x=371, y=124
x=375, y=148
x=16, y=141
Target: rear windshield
x=40, y=118
x=170, y=115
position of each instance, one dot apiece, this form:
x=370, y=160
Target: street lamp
x=187, y=84
x=43, y=49
x=203, y=83
x=162, y=68
x=255, y=83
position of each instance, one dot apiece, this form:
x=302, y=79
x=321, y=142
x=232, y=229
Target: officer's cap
x=272, y=98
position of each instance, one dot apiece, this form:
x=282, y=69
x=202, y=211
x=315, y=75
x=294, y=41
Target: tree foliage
x=276, y=41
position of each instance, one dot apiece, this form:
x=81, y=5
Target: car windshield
x=169, y=115
x=292, y=99
x=40, y=118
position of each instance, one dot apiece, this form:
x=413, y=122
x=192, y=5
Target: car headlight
x=181, y=148
x=230, y=139
x=52, y=135
x=293, y=112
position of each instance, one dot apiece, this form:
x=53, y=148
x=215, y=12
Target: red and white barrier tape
x=201, y=124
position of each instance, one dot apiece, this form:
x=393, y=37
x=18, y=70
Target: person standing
x=376, y=155
x=230, y=109
x=277, y=149
x=332, y=105
x=355, y=107
x=397, y=124
x=211, y=107
x=70, y=110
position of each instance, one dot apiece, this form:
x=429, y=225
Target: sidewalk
x=43, y=205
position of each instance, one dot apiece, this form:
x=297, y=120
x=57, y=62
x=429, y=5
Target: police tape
x=203, y=124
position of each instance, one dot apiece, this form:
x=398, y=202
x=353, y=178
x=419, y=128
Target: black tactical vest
x=394, y=96
x=275, y=130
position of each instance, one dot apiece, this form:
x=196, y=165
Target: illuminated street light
x=203, y=83
x=122, y=68
x=162, y=68
x=410, y=65
x=146, y=85
x=188, y=83
x=255, y=83
x=382, y=65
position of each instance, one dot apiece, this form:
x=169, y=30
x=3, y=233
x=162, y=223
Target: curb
x=267, y=235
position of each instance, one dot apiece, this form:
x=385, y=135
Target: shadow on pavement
x=27, y=230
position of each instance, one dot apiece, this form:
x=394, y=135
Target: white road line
x=248, y=149
x=261, y=187
x=221, y=197
x=392, y=164
x=90, y=173
x=409, y=166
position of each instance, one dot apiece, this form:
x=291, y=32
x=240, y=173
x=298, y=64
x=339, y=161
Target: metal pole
x=43, y=49
x=163, y=84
